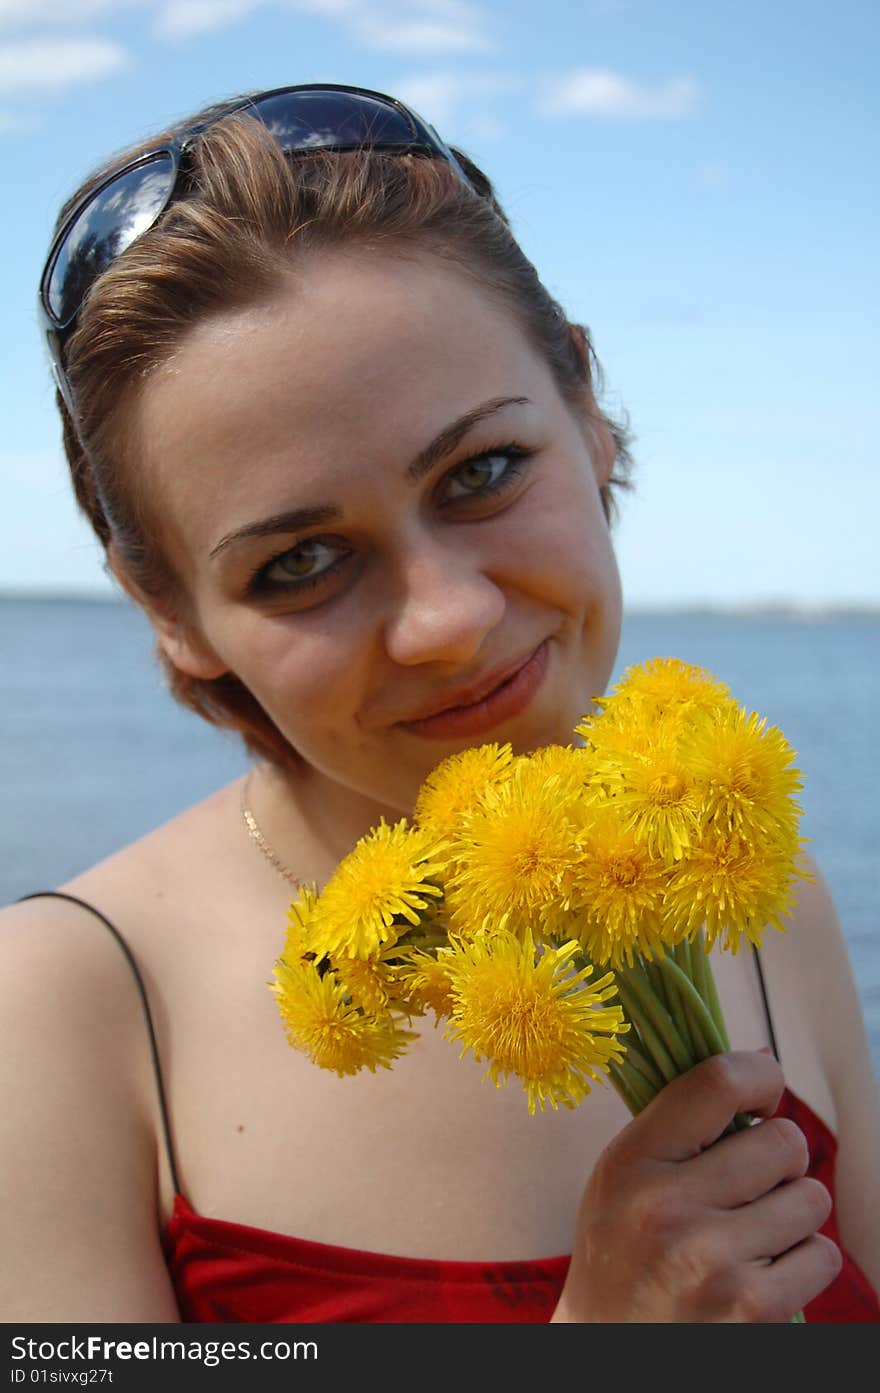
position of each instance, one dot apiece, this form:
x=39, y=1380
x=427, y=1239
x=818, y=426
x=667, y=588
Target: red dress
x=225, y=1272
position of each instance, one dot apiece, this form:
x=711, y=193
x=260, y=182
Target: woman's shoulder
x=77, y=1129
x=812, y=969
x=62, y=970
x=195, y=843
x=76, y=1073
x=810, y=973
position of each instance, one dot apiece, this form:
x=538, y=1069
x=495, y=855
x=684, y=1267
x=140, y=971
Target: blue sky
x=697, y=182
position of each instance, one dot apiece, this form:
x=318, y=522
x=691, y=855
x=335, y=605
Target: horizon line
x=775, y=607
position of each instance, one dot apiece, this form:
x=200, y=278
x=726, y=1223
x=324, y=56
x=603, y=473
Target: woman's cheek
x=289, y=670
x=569, y=562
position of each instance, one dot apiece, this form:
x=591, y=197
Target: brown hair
x=246, y=212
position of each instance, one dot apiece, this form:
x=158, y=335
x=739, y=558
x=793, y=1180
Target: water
x=94, y=753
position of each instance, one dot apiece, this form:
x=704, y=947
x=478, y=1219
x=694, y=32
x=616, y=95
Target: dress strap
x=761, y=983
x=142, y=992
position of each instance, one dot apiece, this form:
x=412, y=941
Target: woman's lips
x=505, y=701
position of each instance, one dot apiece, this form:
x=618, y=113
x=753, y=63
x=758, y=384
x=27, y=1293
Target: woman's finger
x=779, y=1290
x=743, y=1167
x=770, y=1226
x=692, y=1111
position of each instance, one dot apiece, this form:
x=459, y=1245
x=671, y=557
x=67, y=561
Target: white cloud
x=599, y=92
x=59, y=13
x=332, y=9
x=419, y=36
x=448, y=26
x=408, y=26
x=439, y=96
x=38, y=64
x=185, y=19
x=392, y=26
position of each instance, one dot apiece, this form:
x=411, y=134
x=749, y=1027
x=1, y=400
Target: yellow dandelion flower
x=300, y=915
x=649, y=704
x=463, y=912
x=512, y=852
x=733, y=887
x=465, y=915
x=533, y=1016
x=622, y=728
x=382, y=886
x=366, y=980
x=615, y=890
x=422, y=981
x=668, y=683
x=564, y=769
x=746, y=770
x=456, y=785
x=321, y=1021
x=658, y=797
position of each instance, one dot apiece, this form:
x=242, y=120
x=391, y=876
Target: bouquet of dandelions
x=557, y=910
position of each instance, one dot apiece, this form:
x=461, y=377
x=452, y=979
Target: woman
x=343, y=448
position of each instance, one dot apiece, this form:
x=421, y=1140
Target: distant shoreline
x=770, y=609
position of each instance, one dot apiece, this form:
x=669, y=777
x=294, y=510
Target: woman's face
x=388, y=520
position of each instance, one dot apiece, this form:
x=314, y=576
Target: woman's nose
x=445, y=607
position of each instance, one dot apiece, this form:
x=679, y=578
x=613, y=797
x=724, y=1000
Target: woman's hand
x=674, y=1228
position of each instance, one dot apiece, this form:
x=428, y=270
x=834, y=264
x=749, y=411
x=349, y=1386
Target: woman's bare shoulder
x=77, y=1128
x=812, y=970
x=199, y=839
x=48, y=927
x=812, y=990
x=813, y=976
x=76, y=1073
x=68, y=995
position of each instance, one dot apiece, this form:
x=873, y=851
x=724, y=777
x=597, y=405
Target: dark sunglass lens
x=118, y=213
x=332, y=120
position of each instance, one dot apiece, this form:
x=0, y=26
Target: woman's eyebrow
x=298, y=519
x=294, y=520
x=444, y=443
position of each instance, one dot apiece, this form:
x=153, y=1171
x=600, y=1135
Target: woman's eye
x=304, y=565
x=484, y=474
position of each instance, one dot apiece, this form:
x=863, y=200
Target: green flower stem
x=649, y=1072
x=641, y=1090
x=660, y=1019
x=698, y=1039
x=650, y=1047
x=665, y=993
x=634, y=1038
x=648, y=1037
x=657, y=982
x=695, y=1003
x=704, y=982
x=676, y=1008
x=681, y=954
x=621, y=1084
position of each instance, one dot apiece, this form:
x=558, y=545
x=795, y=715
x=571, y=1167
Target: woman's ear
x=186, y=651
x=180, y=642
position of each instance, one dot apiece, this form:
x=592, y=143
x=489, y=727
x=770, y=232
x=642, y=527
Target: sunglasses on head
x=128, y=202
